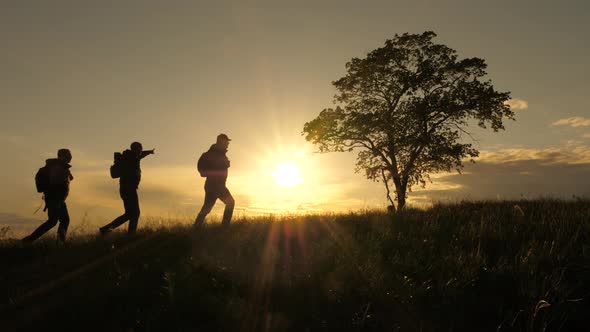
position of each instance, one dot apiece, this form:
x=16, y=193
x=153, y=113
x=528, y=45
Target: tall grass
x=470, y=266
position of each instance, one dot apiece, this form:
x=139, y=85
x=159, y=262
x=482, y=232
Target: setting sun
x=287, y=174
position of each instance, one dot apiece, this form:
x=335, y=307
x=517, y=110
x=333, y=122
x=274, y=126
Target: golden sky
x=95, y=76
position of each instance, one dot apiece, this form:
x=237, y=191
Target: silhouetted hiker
x=127, y=169
x=213, y=165
x=53, y=180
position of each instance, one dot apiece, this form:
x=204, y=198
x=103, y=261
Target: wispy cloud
x=517, y=104
x=515, y=173
x=575, y=121
x=569, y=154
x=18, y=225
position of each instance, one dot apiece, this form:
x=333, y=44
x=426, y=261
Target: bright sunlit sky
x=93, y=76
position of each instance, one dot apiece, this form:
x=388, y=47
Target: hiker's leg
x=132, y=210
x=64, y=222
x=116, y=223
x=41, y=230
x=210, y=198
x=229, y=202
x=120, y=219
x=52, y=214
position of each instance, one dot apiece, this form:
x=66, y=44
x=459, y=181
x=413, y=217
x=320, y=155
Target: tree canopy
x=406, y=108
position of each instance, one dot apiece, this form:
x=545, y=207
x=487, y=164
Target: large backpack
x=117, y=167
x=202, y=165
x=43, y=179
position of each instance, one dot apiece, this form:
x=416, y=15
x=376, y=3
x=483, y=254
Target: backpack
x=117, y=168
x=42, y=179
x=202, y=165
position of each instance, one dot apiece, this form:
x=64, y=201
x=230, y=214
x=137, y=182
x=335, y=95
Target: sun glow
x=283, y=178
x=287, y=174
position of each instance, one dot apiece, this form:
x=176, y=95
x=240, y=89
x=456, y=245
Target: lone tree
x=406, y=108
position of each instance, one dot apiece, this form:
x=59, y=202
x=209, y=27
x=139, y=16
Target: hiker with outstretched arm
x=127, y=168
x=213, y=165
x=53, y=180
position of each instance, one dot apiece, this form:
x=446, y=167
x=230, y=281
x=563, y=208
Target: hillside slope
x=487, y=266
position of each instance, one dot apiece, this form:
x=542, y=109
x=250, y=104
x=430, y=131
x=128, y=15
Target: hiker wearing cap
x=127, y=169
x=213, y=165
x=53, y=180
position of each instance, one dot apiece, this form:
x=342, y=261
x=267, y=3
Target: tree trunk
x=400, y=191
x=391, y=207
x=401, y=200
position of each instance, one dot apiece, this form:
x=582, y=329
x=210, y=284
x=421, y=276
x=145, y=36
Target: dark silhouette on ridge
x=127, y=168
x=53, y=180
x=213, y=165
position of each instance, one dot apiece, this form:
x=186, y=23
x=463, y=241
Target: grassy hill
x=471, y=266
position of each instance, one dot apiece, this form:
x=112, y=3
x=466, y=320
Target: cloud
x=570, y=154
x=11, y=219
x=516, y=173
x=575, y=121
x=517, y=104
x=19, y=225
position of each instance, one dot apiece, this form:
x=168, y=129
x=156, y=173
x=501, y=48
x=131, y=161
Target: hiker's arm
x=147, y=153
